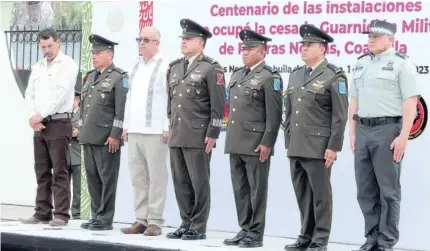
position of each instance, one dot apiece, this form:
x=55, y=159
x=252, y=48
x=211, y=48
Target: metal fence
x=23, y=45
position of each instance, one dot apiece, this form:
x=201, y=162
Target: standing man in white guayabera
x=146, y=128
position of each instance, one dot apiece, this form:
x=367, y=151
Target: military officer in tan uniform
x=102, y=112
x=315, y=120
x=196, y=100
x=255, y=100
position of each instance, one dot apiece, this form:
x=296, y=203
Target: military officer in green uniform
x=255, y=115
x=316, y=113
x=102, y=112
x=196, y=100
x=384, y=94
x=74, y=159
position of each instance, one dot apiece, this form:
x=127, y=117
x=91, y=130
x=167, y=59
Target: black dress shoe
x=316, y=247
x=382, y=248
x=85, y=225
x=235, y=241
x=249, y=242
x=100, y=226
x=366, y=247
x=299, y=245
x=177, y=234
x=192, y=235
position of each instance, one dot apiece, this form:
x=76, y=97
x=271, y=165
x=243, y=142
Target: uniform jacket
x=316, y=111
x=196, y=100
x=75, y=148
x=102, y=106
x=255, y=110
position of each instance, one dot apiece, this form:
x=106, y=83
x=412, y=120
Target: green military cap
x=193, y=29
x=378, y=27
x=100, y=43
x=312, y=34
x=251, y=38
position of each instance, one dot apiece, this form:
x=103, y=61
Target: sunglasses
x=145, y=40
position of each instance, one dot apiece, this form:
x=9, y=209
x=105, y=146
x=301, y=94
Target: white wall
x=17, y=178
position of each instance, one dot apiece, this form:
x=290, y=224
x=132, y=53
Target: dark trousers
x=191, y=176
x=51, y=146
x=311, y=182
x=102, y=169
x=75, y=178
x=250, y=178
x=378, y=182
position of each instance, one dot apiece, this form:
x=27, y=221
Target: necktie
x=96, y=76
x=186, y=65
x=308, y=71
x=245, y=72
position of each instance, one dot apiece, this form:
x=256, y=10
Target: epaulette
x=298, y=68
x=175, y=62
x=210, y=60
x=334, y=68
x=238, y=68
x=362, y=56
x=275, y=73
x=88, y=72
x=269, y=68
x=401, y=55
x=119, y=70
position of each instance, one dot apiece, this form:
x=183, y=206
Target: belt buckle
x=382, y=121
x=365, y=121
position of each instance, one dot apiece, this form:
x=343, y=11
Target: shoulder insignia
x=297, y=68
x=268, y=68
x=366, y=54
x=401, y=55
x=85, y=77
x=334, y=68
x=341, y=86
x=238, y=68
x=275, y=73
x=175, y=62
x=209, y=59
x=88, y=72
x=119, y=70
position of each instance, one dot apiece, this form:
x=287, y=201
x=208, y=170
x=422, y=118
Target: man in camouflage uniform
x=102, y=112
x=196, y=100
x=315, y=120
x=255, y=100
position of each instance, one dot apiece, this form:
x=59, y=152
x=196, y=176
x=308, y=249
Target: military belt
x=377, y=120
x=58, y=116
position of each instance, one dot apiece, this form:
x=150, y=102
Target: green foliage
x=68, y=15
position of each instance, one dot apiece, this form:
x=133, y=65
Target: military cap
x=251, y=38
x=378, y=27
x=193, y=29
x=100, y=43
x=312, y=34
